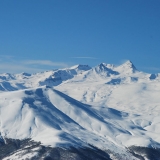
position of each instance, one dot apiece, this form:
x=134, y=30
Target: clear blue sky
x=40, y=35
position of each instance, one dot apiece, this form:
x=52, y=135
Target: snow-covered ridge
x=127, y=67
x=10, y=82
x=107, y=106
x=125, y=73
x=43, y=112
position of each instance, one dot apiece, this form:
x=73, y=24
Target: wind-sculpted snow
x=6, y=76
x=11, y=82
x=137, y=108
x=107, y=106
x=55, y=119
x=111, y=74
x=102, y=69
x=127, y=68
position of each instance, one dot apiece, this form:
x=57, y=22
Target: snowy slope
x=11, y=82
x=110, y=107
x=55, y=119
x=124, y=89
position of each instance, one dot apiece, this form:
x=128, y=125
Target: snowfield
x=109, y=107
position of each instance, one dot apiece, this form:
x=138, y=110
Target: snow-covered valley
x=112, y=108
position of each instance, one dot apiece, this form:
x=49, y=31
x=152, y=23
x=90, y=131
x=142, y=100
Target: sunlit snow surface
x=106, y=106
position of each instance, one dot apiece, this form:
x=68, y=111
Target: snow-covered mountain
x=10, y=82
x=112, y=109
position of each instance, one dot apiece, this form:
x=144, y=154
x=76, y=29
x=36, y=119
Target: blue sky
x=42, y=35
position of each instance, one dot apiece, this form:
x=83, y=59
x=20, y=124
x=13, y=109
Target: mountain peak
x=129, y=63
x=25, y=74
x=127, y=67
x=105, y=69
x=102, y=65
x=106, y=65
x=81, y=67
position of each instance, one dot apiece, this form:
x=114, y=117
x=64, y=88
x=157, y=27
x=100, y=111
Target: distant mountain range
x=102, y=112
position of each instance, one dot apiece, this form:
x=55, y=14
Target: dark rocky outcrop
x=11, y=146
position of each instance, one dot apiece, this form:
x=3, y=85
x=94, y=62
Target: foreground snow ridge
x=113, y=108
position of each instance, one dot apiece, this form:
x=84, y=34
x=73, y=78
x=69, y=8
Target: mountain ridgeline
x=105, y=112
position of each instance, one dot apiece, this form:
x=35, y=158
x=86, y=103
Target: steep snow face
x=43, y=112
x=97, y=73
x=104, y=69
x=57, y=77
x=106, y=106
x=110, y=74
x=126, y=68
x=126, y=73
x=133, y=92
x=138, y=102
x=55, y=119
x=6, y=76
x=10, y=82
x=80, y=68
